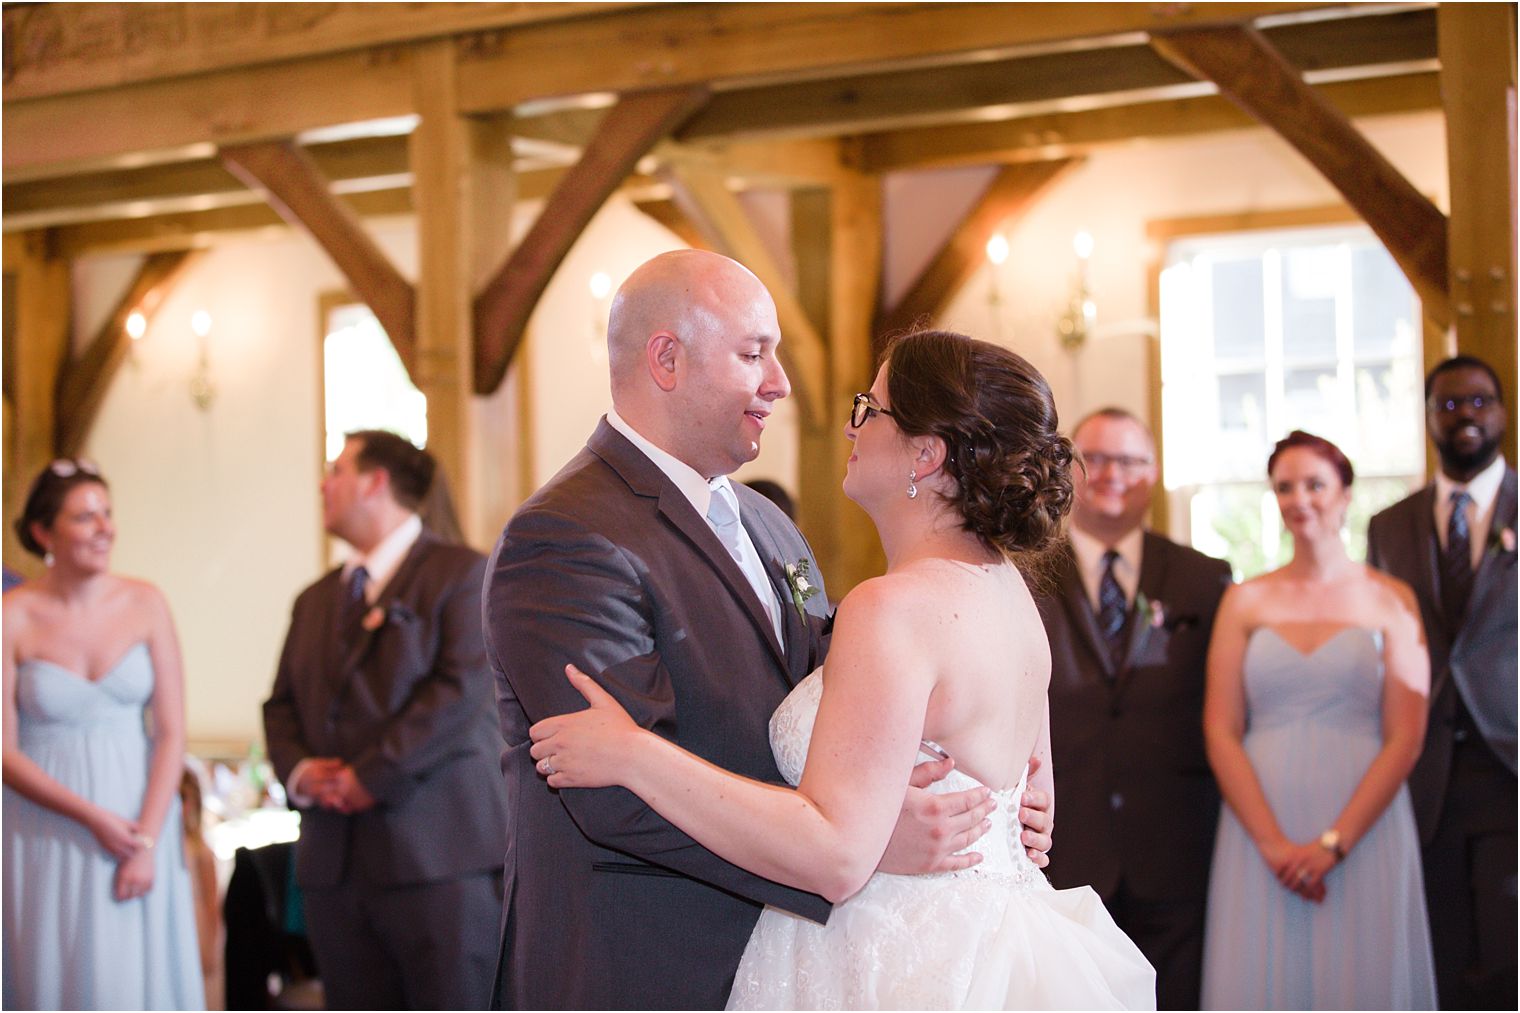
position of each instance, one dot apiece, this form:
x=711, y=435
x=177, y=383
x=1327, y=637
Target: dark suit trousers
x=1470, y=883
x=424, y=946
x=1170, y=934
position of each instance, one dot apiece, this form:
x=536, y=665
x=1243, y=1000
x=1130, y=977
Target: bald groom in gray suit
x=617, y=565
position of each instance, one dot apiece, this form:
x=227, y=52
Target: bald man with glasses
x=1129, y=614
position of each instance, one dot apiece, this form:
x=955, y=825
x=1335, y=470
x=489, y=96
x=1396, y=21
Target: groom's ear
x=662, y=353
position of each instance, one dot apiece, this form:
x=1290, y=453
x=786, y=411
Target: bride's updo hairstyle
x=995, y=412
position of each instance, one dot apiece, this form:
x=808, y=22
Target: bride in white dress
x=958, y=463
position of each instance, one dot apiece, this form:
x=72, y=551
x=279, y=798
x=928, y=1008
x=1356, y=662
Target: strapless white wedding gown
x=996, y=936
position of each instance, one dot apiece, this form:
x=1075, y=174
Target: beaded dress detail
x=995, y=936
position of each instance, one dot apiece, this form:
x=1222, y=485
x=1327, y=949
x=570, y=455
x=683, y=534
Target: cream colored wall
x=1113, y=196
x=220, y=508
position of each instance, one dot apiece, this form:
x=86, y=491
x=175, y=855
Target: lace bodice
x=791, y=732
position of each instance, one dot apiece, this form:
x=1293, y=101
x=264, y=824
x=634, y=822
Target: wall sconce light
x=202, y=390
x=137, y=325
x=997, y=255
x=1074, y=325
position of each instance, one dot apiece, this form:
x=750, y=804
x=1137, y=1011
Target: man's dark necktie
x=353, y=601
x=1111, y=605
x=1456, y=563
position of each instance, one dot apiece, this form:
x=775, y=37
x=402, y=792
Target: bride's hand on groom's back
x=586, y=748
x=932, y=829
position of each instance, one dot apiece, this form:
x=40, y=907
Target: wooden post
x=1477, y=47
x=851, y=246
x=462, y=190
x=36, y=348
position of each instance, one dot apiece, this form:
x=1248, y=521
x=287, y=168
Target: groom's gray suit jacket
x=609, y=566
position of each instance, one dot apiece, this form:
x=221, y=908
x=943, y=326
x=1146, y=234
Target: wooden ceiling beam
x=1058, y=135
x=704, y=198
x=1255, y=76
x=48, y=136
x=85, y=381
x=968, y=91
x=727, y=47
x=733, y=45
x=195, y=229
x=626, y=135
x=1009, y=196
x=53, y=49
x=295, y=188
x=200, y=184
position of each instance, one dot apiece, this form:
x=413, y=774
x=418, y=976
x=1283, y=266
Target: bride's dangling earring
x=912, y=488
x=47, y=559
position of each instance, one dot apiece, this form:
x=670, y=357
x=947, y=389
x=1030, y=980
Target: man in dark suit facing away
x=381, y=727
x=1453, y=541
x=644, y=565
x=1129, y=615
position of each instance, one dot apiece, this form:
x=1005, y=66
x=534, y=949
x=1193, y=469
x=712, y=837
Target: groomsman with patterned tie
x=1129, y=615
x=1453, y=541
x=381, y=727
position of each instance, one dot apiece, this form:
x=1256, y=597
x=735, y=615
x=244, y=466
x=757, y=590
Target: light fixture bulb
x=200, y=323
x=997, y=249
x=137, y=325
x=601, y=285
x=1082, y=243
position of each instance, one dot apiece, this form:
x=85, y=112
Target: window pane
x=1382, y=315
x=1308, y=303
x=1310, y=401
x=1242, y=403
x=365, y=384
x=1239, y=331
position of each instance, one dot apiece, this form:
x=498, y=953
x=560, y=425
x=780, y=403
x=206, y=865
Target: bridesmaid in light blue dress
x=97, y=910
x=1315, y=712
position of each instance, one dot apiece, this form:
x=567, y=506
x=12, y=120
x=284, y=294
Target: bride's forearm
x=773, y=831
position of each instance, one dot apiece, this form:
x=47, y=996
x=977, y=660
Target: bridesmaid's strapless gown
x=68, y=943
x=1313, y=725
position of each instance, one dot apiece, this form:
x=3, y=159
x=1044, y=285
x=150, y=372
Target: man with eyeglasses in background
x=1453, y=541
x=1129, y=614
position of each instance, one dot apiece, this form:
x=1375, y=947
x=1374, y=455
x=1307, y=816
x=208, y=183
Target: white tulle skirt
x=968, y=940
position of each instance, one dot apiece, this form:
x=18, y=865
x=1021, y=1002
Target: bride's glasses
x=862, y=409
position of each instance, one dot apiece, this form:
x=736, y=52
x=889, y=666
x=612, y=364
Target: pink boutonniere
x=1152, y=613
x=1506, y=539
x=373, y=619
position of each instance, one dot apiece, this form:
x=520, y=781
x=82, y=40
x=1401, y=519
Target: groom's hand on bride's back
x=932, y=829
x=1035, y=814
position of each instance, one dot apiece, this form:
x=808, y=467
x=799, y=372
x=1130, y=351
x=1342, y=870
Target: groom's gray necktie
x=723, y=515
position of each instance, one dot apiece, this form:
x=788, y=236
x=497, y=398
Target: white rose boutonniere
x=802, y=588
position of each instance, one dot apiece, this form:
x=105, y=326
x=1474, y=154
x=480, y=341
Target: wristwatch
x=1330, y=840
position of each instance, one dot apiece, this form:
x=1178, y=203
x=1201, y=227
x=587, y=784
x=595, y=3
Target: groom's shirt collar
x=693, y=486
